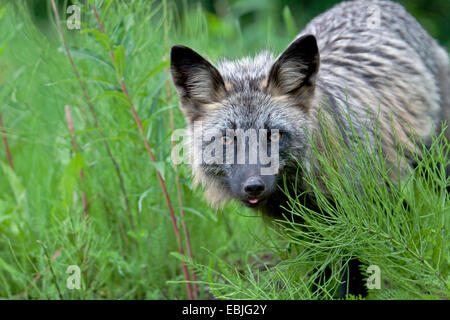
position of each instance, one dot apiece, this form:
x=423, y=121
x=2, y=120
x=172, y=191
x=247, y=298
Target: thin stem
x=49, y=266
x=407, y=249
x=94, y=116
x=77, y=149
x=39, y=275
x=153, y=159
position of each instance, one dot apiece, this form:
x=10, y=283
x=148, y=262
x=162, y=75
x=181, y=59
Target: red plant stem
x=153, y=158
x=177, y=177
x=180, y=202
x=94, y=116
x=75, y=146
x=5, y=142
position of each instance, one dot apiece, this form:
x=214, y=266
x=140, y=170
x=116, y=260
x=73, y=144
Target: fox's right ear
x=294, y=72
x=197, y=81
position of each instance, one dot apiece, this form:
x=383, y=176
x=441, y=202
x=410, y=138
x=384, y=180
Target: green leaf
x=201, y=215
x=2, y=12
x=156, y=70
x=163, y=109
x=119, y=56
x=6, y=208
x=84, y=54
x=9, y=269
x=142, y=197
x=160, y=167
x=69, y=179
x=87, y=80
x=16, y=185
x=100, y=37
x=113, y=94
x=290, y=22
x=180, y=257
x=2, y=48
x=107, y=4
x=222, y=27
x=210, y=270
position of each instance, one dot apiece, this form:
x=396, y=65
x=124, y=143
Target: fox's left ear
x=197, y=81
x=294, y=72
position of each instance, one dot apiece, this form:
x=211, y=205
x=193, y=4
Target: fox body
x=371, y=57
x=391, y=72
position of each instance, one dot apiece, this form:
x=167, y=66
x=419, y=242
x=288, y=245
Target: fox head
x=248, y=108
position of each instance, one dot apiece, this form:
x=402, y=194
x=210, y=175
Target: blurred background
x=257, y=18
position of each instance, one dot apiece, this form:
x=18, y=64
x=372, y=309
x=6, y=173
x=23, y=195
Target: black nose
x=254, y=187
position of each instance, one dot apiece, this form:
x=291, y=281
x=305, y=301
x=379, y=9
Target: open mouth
x=253, y=202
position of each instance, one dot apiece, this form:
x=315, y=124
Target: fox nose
x=254, y=187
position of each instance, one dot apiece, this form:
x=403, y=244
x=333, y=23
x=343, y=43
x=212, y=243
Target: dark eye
x=226, y=140
x=275, y=136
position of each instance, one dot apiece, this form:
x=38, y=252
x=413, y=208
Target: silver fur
x=395, y=69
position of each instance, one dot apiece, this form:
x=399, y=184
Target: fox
x=371, y=57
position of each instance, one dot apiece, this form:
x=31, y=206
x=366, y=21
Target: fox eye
x=226, y=140
x=275, y=136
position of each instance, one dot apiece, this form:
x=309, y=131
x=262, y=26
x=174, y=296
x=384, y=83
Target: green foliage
x=42, y=225
x=290, y=22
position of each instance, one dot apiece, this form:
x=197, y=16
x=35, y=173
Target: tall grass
x=42, y=199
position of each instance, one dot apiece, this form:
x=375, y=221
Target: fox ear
x=294, y=72
x=197, y=81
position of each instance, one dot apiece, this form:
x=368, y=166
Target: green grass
x=400, y=226
x=41, y=210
